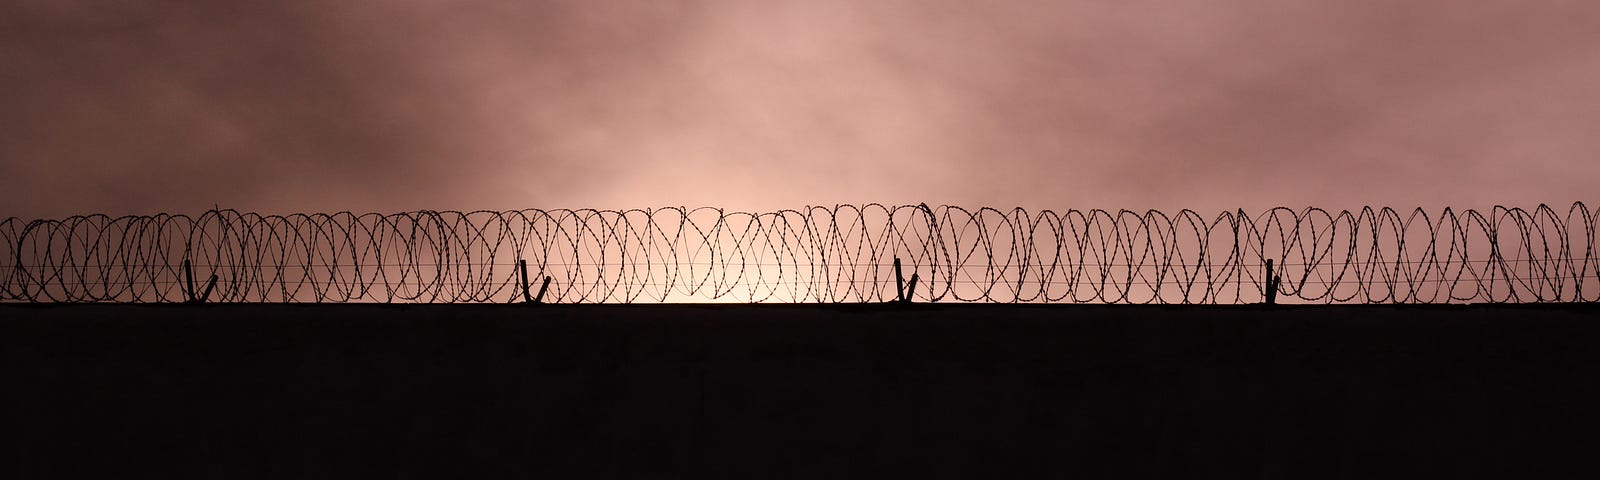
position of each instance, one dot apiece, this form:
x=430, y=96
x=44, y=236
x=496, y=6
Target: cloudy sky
x=140, y=107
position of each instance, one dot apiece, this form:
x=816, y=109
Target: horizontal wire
x=1173, y=283
x=734, y=263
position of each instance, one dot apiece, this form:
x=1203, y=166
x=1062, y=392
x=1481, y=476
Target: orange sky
x=140, y=107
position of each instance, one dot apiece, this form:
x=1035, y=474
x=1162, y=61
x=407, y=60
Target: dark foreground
x=870, y=391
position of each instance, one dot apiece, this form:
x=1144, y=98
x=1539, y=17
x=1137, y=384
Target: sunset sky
x=281, y=106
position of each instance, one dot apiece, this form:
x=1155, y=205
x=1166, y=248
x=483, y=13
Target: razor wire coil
x=840, y=254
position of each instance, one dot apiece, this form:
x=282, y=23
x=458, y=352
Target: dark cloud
x=127, y=107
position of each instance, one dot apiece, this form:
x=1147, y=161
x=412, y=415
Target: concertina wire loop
x=842, y=254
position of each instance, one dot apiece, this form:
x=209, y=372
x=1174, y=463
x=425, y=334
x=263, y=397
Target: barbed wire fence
x=841, y=254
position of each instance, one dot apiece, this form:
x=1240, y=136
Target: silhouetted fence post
x=527, y=296
x=539, y=299
x=1272, y=281
x=902, y=292
x=188, y=282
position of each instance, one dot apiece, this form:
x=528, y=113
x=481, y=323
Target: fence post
x=522, y=267
x=188, y=283
x=1272, y=281
x=899, y=283
x=901, y=291
x=546, y=286
x=527, y=296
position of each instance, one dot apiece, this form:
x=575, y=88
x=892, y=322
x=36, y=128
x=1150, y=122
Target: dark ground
x=776, y=391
